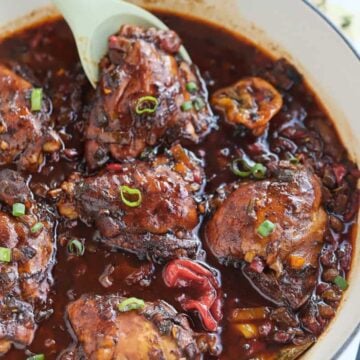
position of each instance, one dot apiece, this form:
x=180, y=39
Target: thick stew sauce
x=177, y=211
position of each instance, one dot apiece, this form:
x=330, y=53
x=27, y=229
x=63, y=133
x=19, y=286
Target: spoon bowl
x=93, y=21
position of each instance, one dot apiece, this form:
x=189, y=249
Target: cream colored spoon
x=93, y=21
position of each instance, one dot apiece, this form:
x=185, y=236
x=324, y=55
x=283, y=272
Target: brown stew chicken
x=177, y=211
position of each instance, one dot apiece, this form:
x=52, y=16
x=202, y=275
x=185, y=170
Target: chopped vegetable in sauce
x=133, y=193
x=131, y=304
x=5, y=254
x=36, y=99
x=266, y=228
x=18, y=209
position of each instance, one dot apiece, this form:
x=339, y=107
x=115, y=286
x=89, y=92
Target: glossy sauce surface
x=49, y=52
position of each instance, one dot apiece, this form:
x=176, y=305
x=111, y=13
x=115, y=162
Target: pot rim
x=50, y=12
x=333, y=27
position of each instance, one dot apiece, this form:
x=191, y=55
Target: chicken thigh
x=107, y=330
x=146, y=95
x=25, y=135
x=27, y=257
x=277, y=227
x=146, y=208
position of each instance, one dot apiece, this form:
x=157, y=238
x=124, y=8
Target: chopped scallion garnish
x=132, y=192
x=246, y=168
x=191, y=87
x=18, y=209
x=199, y=104
x=37, y=357
x=36, y=99
x=294, y=160
x=146, y=104
x=341, y=282
x=37, y=227
x=266, y=228
x=5, y=254
x=131, y=304
x=187, y=106
x=76, y=247
x=258, y=171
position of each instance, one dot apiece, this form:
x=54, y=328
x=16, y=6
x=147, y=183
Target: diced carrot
x=249, y=256
x=180, y=168
x=246, y=314
x=296, y=261
x=249, y=331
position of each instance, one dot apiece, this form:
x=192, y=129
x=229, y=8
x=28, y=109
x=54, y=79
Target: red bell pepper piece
x=182, y=273
x=340, y=172
x=114, y=167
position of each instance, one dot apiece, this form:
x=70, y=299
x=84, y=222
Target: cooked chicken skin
x=143, y=63
x=160, y=227
x=25, y=136
x=154, y=332
x=24, y=280
x=251, y=102
x=292, y=202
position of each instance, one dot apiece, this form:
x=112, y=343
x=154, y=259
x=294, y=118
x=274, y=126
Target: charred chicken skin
x=25, y=134
x=146, y=95
x=27, y=251
x=277, y=227
x=146, y=208
x=106, y=330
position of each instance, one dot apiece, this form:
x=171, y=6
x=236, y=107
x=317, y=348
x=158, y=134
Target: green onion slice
x=191, y=87
x=293, y=159
x=258, y=171
x=37, y=357
x=18, y=209
x=146, y=104
x=129, y=304
x=199, y=104
x=132, y=192
x=76, y=247
x=266, y=228
x=37, y=227
x=36, y=99
x=187, y=106
x=5, y=254
x=246, y=168
x=341, y=282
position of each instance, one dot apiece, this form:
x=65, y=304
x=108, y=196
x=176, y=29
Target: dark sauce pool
x=46, y=54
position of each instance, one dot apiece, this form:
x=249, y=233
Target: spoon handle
x=83, y=16
x=79, y=14
x=93, y=21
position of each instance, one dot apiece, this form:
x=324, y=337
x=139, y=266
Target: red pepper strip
x=113, y=167
x=181, y=273
x=340, y=172
x=194, y=266
x=208, y=320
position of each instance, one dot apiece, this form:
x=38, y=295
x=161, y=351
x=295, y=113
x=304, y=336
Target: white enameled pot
x=297, y=31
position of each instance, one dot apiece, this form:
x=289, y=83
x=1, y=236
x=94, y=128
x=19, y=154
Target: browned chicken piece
x=287, y=211
x=251, y=102
x=146, y=208
x=146, y=95
x=25, y=135
x=27, y=251
x=154, y=331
